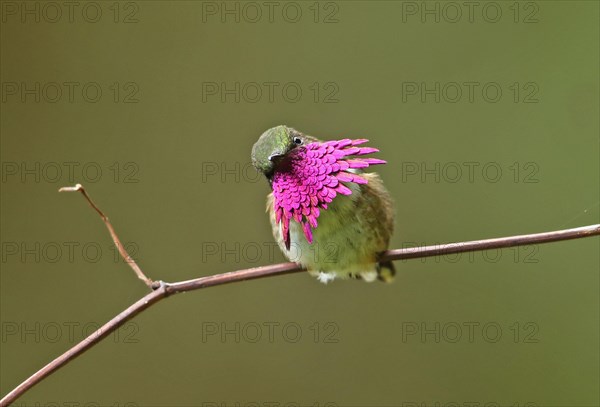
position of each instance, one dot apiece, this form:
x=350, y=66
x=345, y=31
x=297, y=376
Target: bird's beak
x=275, y=157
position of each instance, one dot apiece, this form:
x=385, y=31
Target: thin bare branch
x=397, y=254
x=496, y=243
x=122, y=251
x=162, y=290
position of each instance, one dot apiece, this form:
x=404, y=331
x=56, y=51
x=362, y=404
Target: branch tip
x=122, y=251
x=75, y=188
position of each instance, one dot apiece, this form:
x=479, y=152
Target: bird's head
x=269, y=153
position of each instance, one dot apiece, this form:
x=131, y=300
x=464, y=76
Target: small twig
x=122, y=251
x=162, y=290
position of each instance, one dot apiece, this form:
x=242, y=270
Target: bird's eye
x=297, y=140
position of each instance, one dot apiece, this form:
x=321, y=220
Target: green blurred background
x=173, y=149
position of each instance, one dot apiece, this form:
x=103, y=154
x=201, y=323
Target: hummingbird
x=326, y=213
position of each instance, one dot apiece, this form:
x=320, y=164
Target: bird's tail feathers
x=386, y=271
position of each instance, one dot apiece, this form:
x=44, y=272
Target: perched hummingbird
x=326, y=214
